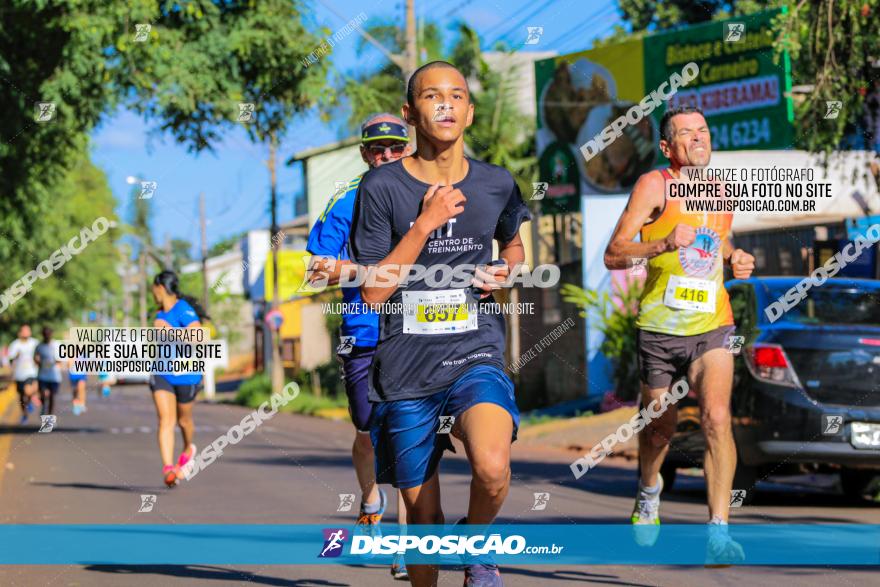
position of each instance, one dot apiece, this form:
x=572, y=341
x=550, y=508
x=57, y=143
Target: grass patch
x=258, y=389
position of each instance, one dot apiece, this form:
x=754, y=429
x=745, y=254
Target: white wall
x=322, y=173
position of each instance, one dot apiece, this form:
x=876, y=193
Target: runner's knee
x=660, y=432
x=492, y=472
x=716, y=420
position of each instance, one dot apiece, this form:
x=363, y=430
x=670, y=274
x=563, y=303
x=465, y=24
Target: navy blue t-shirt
x=420, y=354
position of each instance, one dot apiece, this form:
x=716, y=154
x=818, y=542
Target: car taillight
x=768, y=362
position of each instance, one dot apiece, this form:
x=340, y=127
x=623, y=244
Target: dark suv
x=806, y=391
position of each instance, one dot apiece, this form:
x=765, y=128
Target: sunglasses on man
x=377, y=150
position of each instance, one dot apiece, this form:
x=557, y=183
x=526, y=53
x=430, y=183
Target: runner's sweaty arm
x=645, y=203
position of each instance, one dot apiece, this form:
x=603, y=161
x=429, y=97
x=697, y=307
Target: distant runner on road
x=173, y=395
x=49, y=375
x=24, y=369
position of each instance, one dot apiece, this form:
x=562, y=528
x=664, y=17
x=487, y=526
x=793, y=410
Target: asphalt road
x=93, y=468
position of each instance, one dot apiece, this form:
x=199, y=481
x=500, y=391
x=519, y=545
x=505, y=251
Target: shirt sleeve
x=186, y=315
x=370, y=239
x=514, y=214
x=329, y=238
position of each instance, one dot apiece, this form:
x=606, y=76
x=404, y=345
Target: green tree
x=615, y=317
x=180, y=253
x=81, y=197
x=225, y=244
x=500, y=134
x=199, y=61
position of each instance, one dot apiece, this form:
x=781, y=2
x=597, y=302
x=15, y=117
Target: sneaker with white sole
x=646, y=515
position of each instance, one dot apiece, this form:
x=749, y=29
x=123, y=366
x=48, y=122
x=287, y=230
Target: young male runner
x=24, y=369
x=677, y=338
x=49, y=374
x=383, y=139
x=438, y=208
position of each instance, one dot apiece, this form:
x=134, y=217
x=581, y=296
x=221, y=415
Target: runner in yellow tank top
x=702, y=307
x=684, y=321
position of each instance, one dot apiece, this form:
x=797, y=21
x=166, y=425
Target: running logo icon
x=333, y=541
x=638, y=266
x=446, y=423
x=340, y=187
x=534, y=34
x=833, y=108
x=699, y=258
x=737, y=497
x=541, y=501
x=733, y=31
x=539, y=190
x=735, y=344
x=44, y=111
x=142, y=32
x=441, y=111
x=246, y=112
x=147, y=503
x=831, y=424
x=47, y=423
x=148, y=189
x=346, y=500
x=346, y=344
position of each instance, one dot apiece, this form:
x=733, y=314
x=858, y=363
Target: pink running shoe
x=170, y=474
x=184, y=459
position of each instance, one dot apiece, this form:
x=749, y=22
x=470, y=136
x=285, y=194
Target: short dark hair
x=411, y=85
x=666, y=121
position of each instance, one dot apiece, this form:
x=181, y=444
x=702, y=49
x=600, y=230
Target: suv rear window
x=830, y=304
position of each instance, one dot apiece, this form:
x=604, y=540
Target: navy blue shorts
x=356, y=375
x=183, y=393
x=404, y=432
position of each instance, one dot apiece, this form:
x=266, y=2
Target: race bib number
x=437, y=312
x=688, y=293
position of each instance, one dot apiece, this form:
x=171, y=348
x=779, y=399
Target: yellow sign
x=292, y=267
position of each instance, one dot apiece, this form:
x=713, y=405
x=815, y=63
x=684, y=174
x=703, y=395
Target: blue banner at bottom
x=512, y=544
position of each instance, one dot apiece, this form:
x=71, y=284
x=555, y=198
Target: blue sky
x=235, y=179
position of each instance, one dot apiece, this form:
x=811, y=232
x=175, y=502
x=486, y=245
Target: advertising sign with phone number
x=742, y=88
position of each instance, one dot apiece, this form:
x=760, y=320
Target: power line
x=496, y=27
x=521, y=22
x=588, y=21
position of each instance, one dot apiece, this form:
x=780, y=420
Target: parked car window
x=830, y=304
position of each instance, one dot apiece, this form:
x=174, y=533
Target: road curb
x=5, y=401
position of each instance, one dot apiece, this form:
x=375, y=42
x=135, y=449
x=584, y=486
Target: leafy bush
x=617, y=321
x=258, y=389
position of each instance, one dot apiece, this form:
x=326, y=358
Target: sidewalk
x=580, y=434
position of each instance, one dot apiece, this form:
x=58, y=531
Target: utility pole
x=204, y=235
x=277, y=374
x=142, y=280
x=169, y=259
x=410, y=59
x=408, y=62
